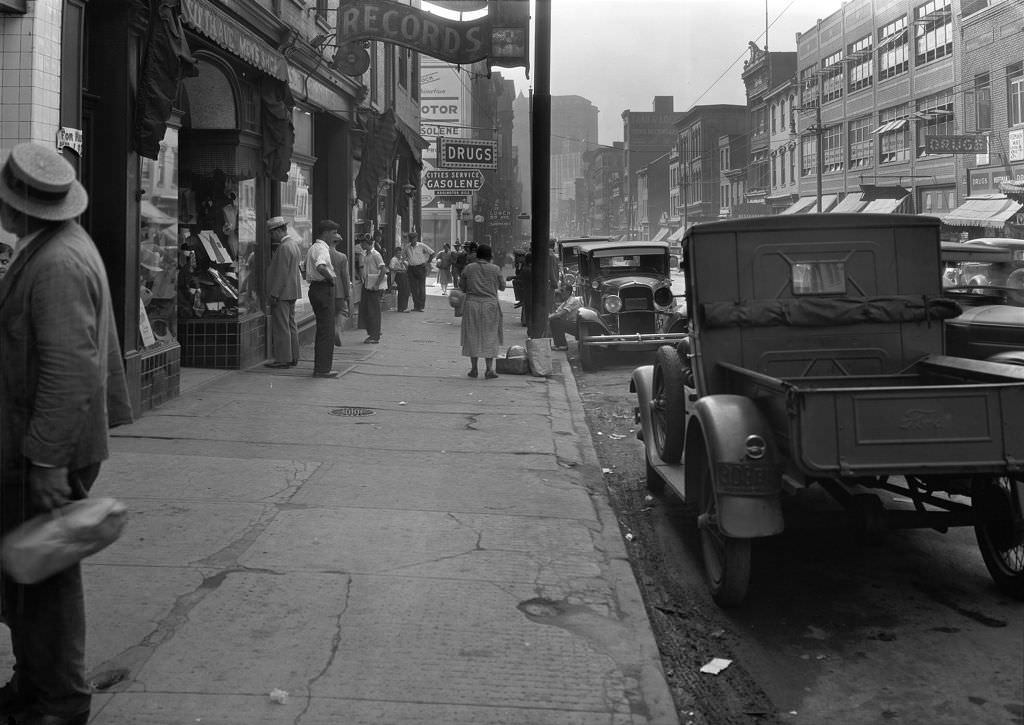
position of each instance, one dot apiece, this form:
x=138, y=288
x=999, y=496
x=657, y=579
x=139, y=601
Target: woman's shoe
x=472, y=373
x=490, y=374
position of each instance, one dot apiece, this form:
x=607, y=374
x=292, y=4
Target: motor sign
x=453, y=181
x=467, y=153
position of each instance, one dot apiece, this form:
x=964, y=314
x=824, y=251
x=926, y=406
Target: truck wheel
x=726, y=559
x=999, y=531
x=667, y=402
x=588, y=355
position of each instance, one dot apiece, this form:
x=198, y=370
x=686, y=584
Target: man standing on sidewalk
x=375, y=281
x=62, y=384
x=284, y=286
x=320, y=274
x=399, y=273
x=418, y=256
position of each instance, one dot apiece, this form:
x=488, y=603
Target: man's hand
x=48, y=487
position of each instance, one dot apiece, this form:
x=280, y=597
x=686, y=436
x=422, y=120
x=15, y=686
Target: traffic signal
x=510, y=33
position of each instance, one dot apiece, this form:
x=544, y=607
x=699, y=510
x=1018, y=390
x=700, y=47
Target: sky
x=620, y=54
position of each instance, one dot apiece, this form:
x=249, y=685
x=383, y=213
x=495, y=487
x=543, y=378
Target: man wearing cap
x=418, y=255
x=321, y=277
x=284, y=286
x=62, y=385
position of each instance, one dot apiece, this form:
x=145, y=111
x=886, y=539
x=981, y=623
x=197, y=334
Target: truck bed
x=942, y=415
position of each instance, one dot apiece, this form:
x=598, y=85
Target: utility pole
x=540, y=128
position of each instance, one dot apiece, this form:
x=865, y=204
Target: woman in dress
x=482, y=335
x=444, y=267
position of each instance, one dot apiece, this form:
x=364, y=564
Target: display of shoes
x=328, y=374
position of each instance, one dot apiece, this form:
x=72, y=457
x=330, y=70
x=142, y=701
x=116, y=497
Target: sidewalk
x=401, y=545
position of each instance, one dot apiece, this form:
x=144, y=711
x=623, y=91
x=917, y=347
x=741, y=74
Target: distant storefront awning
x=988, y=210
x=677, y=235
x=809, y=204
x=662, y=233
x=851, y=204
x=800, y=206
x=883, y=206
x=415, y=142
x=891, y=126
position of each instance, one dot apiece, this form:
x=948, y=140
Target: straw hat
x=276, y=221
x=39, y=182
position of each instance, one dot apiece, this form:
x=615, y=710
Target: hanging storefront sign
x=467, y=153
x=219, y=27
x=1016, y=145
x=501, y=35
x=989, y=180
x=454, y=182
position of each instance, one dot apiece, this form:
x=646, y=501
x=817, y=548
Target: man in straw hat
x=62, y=385
x=284, y=286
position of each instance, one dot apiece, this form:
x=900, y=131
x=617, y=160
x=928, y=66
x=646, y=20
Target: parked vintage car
x=986, y=277
x=568, y=261
x=814, y=359
x=628, y=302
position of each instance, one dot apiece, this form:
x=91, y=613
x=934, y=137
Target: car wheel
x=999, y=532
x=726, y=559
x=667, y=402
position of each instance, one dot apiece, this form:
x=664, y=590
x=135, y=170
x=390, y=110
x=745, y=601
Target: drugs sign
x=467, y=153
x=453, y=182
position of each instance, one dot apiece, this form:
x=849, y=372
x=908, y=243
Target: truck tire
x=1001, y=542
x=667, y=403
x=726, y=559
x=588, y=355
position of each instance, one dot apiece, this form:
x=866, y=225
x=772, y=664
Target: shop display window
x=158, y=245
x=295, y=208
x=218, y=257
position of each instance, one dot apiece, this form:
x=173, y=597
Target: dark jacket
x=62, y=381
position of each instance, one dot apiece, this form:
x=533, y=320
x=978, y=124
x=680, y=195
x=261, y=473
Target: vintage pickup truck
x=815, y=357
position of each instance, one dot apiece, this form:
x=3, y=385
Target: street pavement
x=400, y=545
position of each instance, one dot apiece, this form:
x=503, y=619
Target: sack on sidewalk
x=455, y=298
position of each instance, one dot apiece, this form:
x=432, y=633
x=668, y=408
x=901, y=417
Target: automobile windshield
x=633, y=264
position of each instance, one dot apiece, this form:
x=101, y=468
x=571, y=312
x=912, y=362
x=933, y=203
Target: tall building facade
x=762, y=71
x=573, y=133
x=646, y=136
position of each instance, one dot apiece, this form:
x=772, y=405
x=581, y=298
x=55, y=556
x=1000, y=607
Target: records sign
x=956, y=144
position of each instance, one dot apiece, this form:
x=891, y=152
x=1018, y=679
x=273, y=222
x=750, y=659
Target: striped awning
x=800, y=206
x=883, y=206
x=852, y=203
x=989, y=210
x=662, y=233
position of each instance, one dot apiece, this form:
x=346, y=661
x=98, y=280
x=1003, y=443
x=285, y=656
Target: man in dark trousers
x=375, y=282
x=418, y=257
x=321, y=277
x=62, y=385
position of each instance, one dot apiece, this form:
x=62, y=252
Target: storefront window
x=296, y=206
x=158, y=245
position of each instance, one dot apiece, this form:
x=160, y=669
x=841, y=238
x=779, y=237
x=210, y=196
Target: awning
x=809, y=204
x=415, y=142
x=662, y=233
x=853, y=203
x=800, y=205
x=891, y=126
x=883, y=206
x=989, y=210
x=677, y=235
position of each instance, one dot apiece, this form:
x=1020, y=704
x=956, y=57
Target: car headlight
x=613, y=303
x=663, y=296
x=595, y=285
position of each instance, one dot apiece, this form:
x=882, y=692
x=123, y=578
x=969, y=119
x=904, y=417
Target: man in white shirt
x=375, y=282
x=321, y=277
x=563, y=319
x=418, y=256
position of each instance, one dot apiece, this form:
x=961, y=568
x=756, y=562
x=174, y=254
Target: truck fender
x=717, y=433
x=641, y=382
